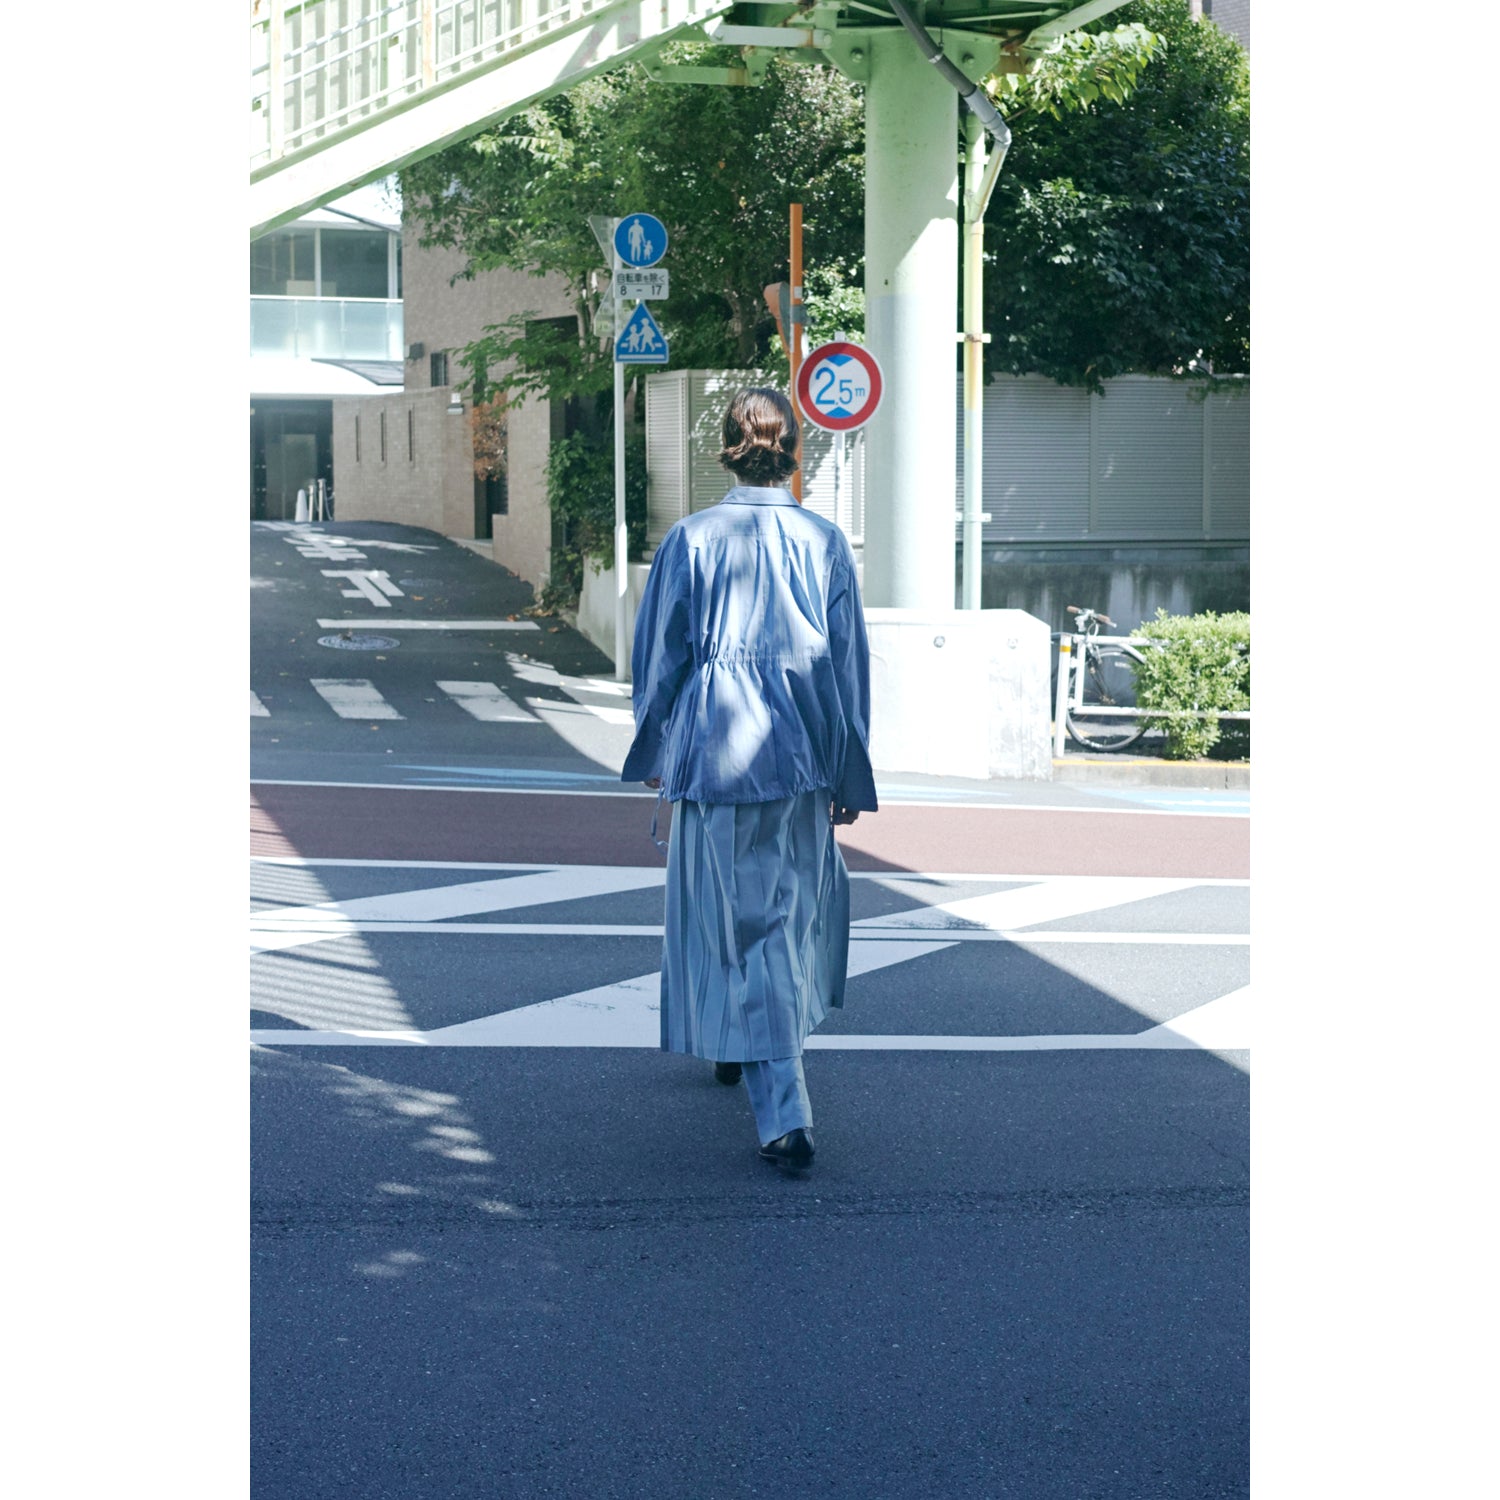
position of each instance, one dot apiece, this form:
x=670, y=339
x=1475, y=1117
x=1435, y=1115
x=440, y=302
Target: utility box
x=960, y=693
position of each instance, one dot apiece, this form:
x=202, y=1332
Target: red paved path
x=333, y=822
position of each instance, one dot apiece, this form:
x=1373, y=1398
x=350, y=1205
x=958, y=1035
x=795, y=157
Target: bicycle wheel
x=1108, y=682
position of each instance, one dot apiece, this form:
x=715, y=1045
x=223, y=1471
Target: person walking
x=751, y=688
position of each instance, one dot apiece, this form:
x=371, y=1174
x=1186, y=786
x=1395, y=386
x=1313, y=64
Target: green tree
x=1118, y=236
x=720, y=167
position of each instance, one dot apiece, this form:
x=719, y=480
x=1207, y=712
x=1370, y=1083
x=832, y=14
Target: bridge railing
x=320, y=67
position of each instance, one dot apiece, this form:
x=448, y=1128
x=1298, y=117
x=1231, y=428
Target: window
x=439, y=362
x=382, y=437
x=355, y=263
x=356, y=440
x=283, y=264
x=411, y=435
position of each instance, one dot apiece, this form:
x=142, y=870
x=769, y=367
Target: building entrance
x=291, y=448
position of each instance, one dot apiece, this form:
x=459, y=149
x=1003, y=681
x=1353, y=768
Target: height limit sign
x=839, y=386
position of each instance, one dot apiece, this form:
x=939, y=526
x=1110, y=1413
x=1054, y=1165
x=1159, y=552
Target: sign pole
x=638, y=241
x=622, y=646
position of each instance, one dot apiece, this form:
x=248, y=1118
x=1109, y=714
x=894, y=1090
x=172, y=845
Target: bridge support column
x=911, y=297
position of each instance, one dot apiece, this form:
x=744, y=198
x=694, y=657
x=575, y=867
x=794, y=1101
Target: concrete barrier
x=596, y=606
x=954, y=692
x=960, y=693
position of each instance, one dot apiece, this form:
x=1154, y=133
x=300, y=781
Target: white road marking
x=542, y=675
x=328, y=548
x=612, y=715
x=399, y=624
x=485, y=700
x=884, y=877
x=1047, y=901
x=258, y=710
x=369, y=583
x=353, y=698
x=295, y=926
x=626, y=1013
x=396, y=625
x=551, y=708
x=1024, y=939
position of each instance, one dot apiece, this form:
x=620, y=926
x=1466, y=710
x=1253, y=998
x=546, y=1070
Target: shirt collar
x=751, y=494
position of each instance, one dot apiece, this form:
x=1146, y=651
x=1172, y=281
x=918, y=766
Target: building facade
x=325, y=323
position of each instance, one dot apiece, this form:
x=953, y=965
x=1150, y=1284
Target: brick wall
x=425, y=477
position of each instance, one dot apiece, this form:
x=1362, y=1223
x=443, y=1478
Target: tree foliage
x=719, y=166
x=1118, y=235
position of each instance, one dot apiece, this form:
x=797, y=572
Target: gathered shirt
x=751, y=667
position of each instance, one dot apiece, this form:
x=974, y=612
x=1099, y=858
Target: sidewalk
x=1130, y=768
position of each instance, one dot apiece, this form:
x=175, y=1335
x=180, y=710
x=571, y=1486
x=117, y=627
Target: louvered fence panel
x=1229, y=464
x=1036, y=460
x=666, y=454
x=1147, y=461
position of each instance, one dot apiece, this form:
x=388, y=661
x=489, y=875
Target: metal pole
x=973, y=364
x=838, y=473
x=622, y=646
x=796, y=331
x=1060, y=707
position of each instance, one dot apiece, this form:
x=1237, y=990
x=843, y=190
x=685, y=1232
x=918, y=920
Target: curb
x=1207, y=775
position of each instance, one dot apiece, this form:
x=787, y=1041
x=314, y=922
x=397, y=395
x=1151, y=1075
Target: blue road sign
x=641, y=342
x=640, y=240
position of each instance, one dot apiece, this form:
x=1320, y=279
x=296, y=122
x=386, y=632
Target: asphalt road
x=504, y=1247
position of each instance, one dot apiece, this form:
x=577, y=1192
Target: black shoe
x=729, y=1073
x=794, y=1149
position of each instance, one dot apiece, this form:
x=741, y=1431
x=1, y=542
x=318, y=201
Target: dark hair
x=760, y=437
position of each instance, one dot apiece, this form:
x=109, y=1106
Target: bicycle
x=1107, y=671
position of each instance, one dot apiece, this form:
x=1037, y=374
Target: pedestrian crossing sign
x=641, y=341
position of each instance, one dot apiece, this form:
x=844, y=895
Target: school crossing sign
x=839, y=386
x=641, y=341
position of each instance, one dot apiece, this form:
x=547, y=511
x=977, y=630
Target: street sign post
x=640, y=240
x=839, y=386
x=633, y=244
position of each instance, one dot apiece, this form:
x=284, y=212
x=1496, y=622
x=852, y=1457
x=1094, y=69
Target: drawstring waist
x=661, y=797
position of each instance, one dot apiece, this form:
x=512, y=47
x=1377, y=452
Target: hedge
x=1196, y=663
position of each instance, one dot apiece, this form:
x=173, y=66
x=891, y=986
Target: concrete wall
x=426, y=477
x=522, y=539
x=596, y=606
x=1127, y=583
x=960, y=693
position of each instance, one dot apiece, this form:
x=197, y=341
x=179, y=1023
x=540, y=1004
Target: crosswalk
x=358, y=698
x=1018, y=962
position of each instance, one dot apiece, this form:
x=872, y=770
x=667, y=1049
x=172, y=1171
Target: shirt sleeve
x=850, y=648
x=661, y=656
